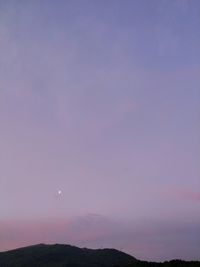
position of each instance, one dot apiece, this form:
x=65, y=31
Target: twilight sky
x=100, y=99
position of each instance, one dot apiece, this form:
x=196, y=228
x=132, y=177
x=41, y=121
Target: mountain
x=69, y=256
x=63, y=256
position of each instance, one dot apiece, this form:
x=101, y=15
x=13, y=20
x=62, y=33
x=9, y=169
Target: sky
x=99, y=125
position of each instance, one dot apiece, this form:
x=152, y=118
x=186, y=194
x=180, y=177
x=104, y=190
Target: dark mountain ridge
x=63, y=255
x=57, y=255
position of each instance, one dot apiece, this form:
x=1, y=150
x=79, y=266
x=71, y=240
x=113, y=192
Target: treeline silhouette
x=173, y=263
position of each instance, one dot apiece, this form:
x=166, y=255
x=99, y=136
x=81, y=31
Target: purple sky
x=100, y=99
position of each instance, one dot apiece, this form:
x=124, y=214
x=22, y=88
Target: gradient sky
x=100, y=99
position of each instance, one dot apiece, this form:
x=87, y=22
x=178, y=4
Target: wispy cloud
x=183, y=193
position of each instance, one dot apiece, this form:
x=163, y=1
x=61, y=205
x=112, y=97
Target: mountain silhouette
x=63, y=255
x=57, y=255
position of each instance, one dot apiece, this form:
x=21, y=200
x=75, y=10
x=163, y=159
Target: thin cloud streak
x=183, y=193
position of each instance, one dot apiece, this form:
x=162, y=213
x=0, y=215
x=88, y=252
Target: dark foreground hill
x=70, y=256
x=63, y=256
